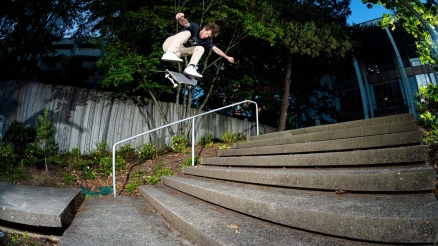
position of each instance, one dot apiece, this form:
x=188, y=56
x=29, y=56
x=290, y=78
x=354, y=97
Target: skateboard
x=180, y=78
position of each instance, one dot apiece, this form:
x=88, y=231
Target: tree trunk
x=45, y=162
x=285, y=102
x=160, y=110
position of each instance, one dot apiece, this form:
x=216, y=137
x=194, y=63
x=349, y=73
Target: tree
x=419, y=18
x=312, y=29
x=45, y=132
x=28, y=29
x=132, y=32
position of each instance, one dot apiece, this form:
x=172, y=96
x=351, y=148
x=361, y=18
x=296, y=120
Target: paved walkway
x=120, y=221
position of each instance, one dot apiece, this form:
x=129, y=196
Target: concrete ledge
x=387, y=140
x=405, y=126
x=409, y=154
x=37, y=206
x=207, y=224
x=382, y=218
x=339, y=126
x=365, y=179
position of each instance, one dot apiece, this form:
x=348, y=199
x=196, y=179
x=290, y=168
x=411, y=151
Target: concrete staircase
x=356, y=183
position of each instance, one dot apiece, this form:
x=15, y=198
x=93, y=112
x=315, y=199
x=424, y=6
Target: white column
x=363, y=93
x=404, y=76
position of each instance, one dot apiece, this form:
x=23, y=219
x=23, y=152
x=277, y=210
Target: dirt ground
x=54, y=178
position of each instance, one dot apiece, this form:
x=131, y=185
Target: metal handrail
x=176, y=122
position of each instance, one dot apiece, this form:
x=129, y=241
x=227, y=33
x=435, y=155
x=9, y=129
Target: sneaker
x=191, y=70
x=170, y=56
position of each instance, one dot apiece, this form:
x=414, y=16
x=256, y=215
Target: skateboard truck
x=167, y=76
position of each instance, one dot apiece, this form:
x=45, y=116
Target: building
x=384, y=80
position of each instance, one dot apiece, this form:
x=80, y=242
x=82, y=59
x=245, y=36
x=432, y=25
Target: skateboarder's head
x=209, y=30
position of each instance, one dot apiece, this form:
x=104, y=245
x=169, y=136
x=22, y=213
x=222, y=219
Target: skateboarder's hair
x=213, y=27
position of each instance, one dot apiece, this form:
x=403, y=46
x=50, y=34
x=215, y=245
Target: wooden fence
x=85, y=117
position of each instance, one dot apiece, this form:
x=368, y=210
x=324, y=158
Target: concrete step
x=29, y=206
x=382, y=218
x=412, y=178
x=120, y=221
x=367, y=130
x=207, y=224
x=400, y=155
x=339, y=126
x=378, y=141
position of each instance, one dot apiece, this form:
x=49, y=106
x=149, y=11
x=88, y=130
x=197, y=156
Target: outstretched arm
x=221, y=53
x=182, y=21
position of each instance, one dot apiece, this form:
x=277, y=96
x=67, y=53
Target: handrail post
x=257, y=118
x=193, y=141
x=114, y=169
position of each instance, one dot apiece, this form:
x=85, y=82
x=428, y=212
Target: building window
x=388, y=94
x=425, y=79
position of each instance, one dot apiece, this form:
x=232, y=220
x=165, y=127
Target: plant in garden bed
x=206, y=140
x=188, y=162
x=9, y=169
x=140, y=178
x=45, y=132
x=125, y=151
x=106, y=164
x=229, y=137
x=7, y=158
x=68, y=178
x=179, y=143
x=223, y=147
x=148, y=152
x=20, y=135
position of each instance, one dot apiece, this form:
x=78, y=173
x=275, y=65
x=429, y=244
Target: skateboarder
x=192, y=40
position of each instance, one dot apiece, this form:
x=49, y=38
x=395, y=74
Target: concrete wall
x=84, y=117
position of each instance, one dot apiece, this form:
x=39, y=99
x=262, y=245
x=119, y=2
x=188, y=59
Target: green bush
x=31, y=155
x=60, y=159
x=427, y=106
x=159, y=171
x=125, y=151
x=137, y=178
x=148, y=152
x=140, y=178
x=188, y=162
x=131, y=187
x=7, y=157
x=106, y=165
x=20, y=135
x=68, y=178
x=206, y=140
x=229, y=137
x=75, y=152
x=99, y=153
x=8, y=166
x=179, y=143
x=18, y=173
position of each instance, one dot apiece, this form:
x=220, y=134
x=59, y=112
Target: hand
x=179, y=16
x=230, y=59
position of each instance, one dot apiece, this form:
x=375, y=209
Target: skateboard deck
x=180, y=78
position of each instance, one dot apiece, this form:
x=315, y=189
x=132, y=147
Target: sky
x=360, y=13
